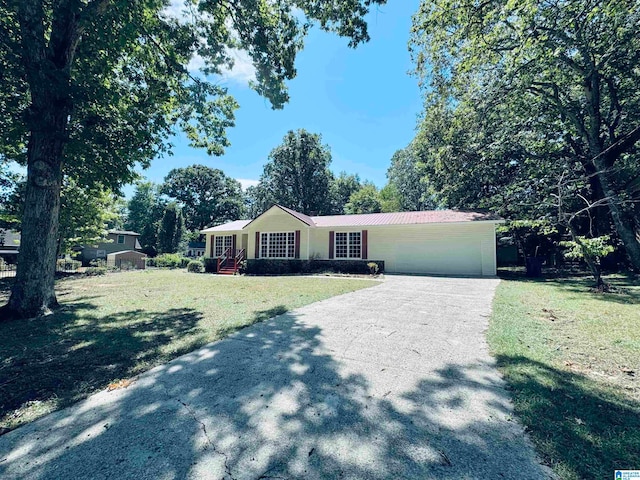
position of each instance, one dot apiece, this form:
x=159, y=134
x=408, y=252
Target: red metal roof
x=403, y=218
x=371, y=219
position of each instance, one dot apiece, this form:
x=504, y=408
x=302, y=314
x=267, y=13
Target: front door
x=222, y=243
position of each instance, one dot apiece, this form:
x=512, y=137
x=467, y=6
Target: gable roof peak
x=300, y=216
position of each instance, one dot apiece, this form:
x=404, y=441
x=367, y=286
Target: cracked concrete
x=206, y=435
x=389, y=382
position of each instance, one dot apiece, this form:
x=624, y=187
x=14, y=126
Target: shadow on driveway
x=273, y=402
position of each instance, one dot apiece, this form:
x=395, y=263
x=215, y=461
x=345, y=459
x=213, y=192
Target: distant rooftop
x=123, y=232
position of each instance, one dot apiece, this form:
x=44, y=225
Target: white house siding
x=448, y=249
x=465, y=248
x=277, y=220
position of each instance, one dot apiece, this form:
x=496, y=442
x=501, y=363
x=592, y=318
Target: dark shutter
x=233, y=245
x=332, y=236
x=297, y=244
x=257, y=252
x=213, y=245
x=365, y=246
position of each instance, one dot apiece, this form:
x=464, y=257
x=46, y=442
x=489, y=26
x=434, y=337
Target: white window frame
x=289, y=247
x=226, y=242
x=119, y=238
x=348, y=245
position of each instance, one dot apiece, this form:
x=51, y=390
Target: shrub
x=242, y=267
x=210, y=264
x=98, y=262
x=195, y=266
x=266, y=266
x=373, y=268
x=168, y=260
x=67, y=264
x=95, y=271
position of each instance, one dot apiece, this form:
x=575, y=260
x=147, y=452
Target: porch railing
x=224, y=258
x=231, y=259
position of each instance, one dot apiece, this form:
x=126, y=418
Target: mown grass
x=572, y=360
x=122, y=324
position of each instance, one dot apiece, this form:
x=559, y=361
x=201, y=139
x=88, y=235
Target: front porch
x=228, y=263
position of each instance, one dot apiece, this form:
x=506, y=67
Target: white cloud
x=246, y=183
x=243, y=70
x=196, y=63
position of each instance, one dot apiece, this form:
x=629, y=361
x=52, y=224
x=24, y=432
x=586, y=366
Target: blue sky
x=363, y=102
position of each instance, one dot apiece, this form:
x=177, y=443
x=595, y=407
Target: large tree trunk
x=625, y=231
x=47, y=62
x=33, y=291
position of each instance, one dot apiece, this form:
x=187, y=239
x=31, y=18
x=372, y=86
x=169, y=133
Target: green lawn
x=119, y=325
x=572, y=360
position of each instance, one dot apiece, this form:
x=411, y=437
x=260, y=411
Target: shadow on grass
x=63, y=357
x=67, y=356
x=627, y=286
x=587, y=431
x=274, y=402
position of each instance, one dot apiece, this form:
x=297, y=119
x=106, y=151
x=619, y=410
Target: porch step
x=226, y=271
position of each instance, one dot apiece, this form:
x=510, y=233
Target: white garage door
x=459, y=249
x=461, y=256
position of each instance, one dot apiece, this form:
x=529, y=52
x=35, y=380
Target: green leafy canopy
x=130, y=80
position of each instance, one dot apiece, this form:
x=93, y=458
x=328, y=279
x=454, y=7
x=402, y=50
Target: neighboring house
x=9, y=244
x=445, y=242
x=116, y=241
x=196, y=249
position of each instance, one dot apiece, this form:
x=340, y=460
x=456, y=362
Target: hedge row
x=210, y=264
x=168, y=260
x=264, y=266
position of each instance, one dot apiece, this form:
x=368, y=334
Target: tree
x=207, y=196
x=171, y=229
x=570, y=68
x=406, y=176
x=85, y=215
x=93, y=88
x=297, y=175
x=144, y=213
x=390, y=199
x=342, y=187
x=365, y=200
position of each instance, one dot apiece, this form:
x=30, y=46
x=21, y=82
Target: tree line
x=297, y=176
x=532, y=110
x=170, y=214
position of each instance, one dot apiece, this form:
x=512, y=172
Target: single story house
x=447, y=242
x=115, y=241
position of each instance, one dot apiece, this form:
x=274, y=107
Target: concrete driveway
x=389, y=382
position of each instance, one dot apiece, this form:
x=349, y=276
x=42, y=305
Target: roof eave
x=466, y=222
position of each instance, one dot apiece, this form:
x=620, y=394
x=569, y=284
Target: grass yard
x=572, y=360
x=119, y=325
